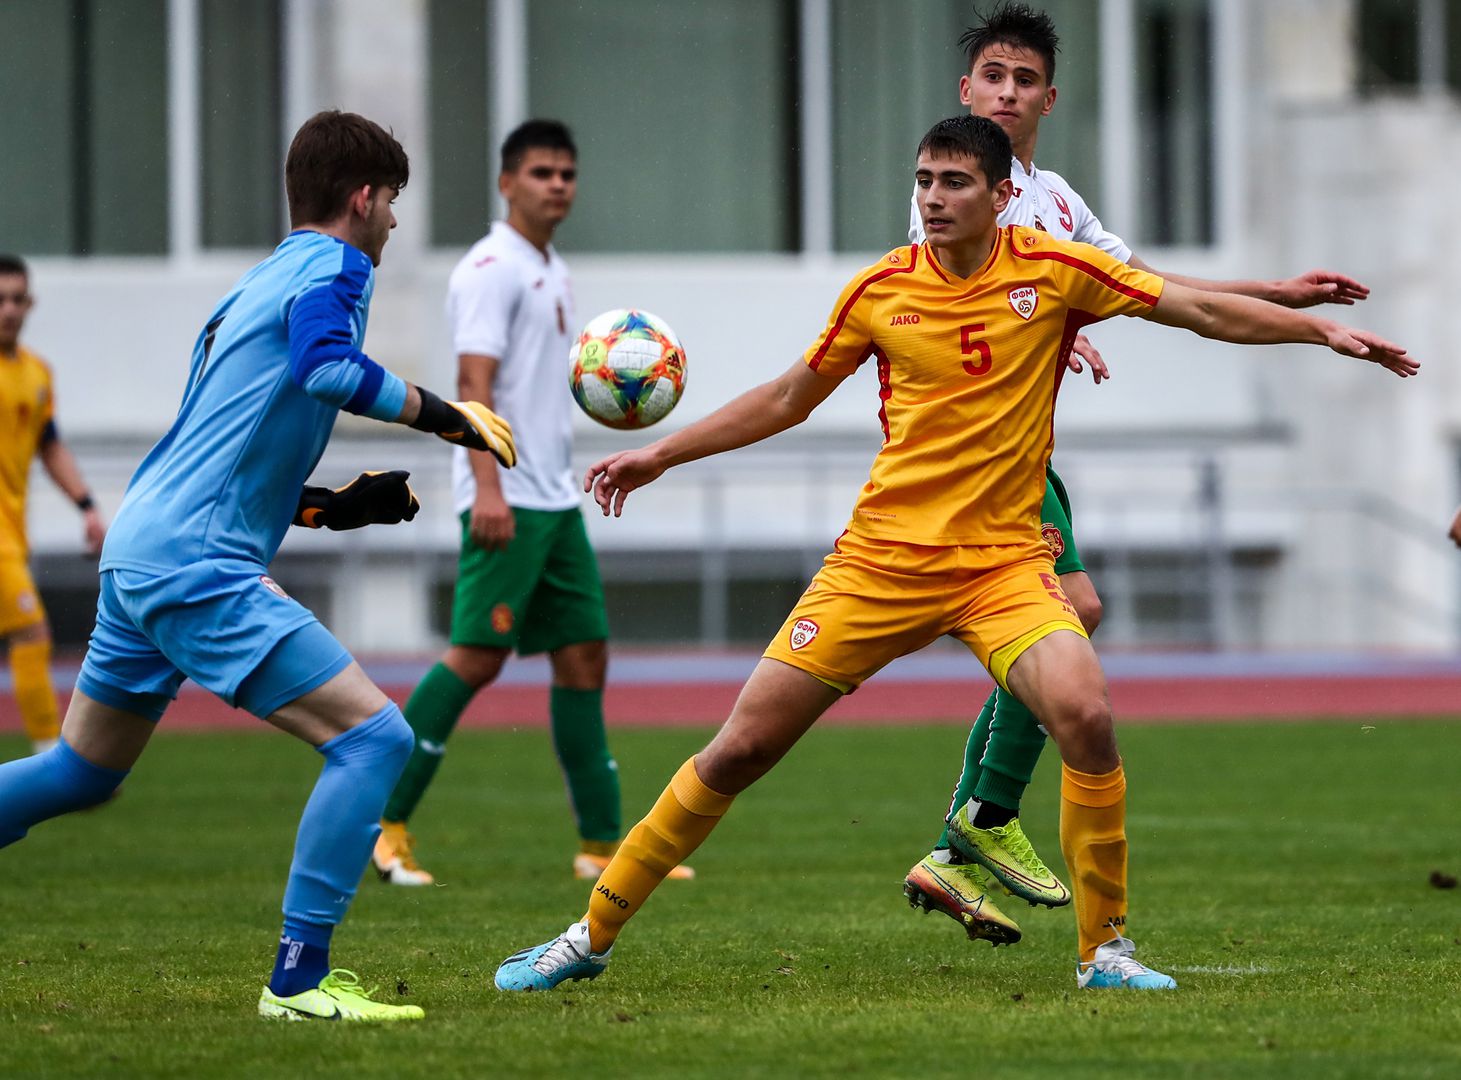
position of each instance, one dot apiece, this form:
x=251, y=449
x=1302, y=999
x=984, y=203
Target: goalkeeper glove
x=467, y=423
x=372, y=498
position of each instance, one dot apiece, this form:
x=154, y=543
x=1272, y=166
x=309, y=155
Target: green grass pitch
x=1279, y=872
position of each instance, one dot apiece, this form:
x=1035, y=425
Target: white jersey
x=506, y=299
x=1043, y=200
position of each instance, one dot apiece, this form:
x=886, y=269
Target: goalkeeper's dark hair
x=535, y=135
x=1013, y=24
x=14, y=264
x=336, y=153
x=971, y=136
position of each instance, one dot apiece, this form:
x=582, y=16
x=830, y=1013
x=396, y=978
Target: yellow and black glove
x=372, y=498
x=467, y=423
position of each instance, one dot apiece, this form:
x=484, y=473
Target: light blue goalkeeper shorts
x=224, y=624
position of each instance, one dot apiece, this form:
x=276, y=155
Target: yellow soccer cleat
x=588, y=866
x=960, y=891
x=338, y=997
x=394, y=857
x=1007, y=854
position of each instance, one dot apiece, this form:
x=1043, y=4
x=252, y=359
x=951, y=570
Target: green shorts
x=538, y=594
x=1055, y=526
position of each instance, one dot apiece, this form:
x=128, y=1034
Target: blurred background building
x=738, y=162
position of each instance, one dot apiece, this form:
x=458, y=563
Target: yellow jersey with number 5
x=25, y=412
x=968, y=370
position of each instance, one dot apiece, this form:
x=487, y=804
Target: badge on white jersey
x=1025, y=300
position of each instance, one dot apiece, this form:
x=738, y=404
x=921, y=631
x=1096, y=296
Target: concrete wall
x=1346, y=473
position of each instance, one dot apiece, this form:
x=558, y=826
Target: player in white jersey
x=527, y=578
x=1011, y=55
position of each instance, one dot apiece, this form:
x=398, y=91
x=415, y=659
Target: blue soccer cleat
x=568, y=956
x=1116, y=967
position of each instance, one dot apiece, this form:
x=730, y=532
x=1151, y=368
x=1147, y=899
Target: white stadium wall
x=1330, y=484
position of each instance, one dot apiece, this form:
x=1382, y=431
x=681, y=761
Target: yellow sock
x=1093, y=840
x=30, y=668
x=681, y=820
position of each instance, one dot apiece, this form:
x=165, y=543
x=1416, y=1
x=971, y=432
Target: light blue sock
x=42, y=786
x=342, y=818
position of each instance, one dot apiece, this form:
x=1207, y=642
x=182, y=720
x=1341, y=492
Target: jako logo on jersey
x=501, y=619
x=803, y=633
x=903, y=320
x=613, y=897
x=1025, y=300
x=273, y=586
x=1051, y=535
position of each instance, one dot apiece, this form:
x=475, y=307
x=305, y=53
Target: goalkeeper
x=185, y=590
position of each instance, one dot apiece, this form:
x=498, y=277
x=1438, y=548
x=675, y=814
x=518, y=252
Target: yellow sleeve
x=1088, y=279
x=48, y=402
x=847, y=339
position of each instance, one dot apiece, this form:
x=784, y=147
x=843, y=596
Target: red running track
x=909, y=702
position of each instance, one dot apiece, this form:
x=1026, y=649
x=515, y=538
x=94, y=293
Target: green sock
x=583, y=753
x=1015, y=745
x=432, y=712
x=973, y=751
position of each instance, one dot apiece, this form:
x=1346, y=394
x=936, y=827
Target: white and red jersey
x=1043, y=200
x=508, y=300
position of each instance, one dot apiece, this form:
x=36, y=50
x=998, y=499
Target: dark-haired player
x=527, y=579
x=942, y=539
x=185, y=586
x=1010, y=79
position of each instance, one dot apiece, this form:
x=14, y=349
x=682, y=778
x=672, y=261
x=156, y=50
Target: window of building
x=84, y=130
x=240, y=121
x=684, y=116
x=1175, y=129
x=463, y=164
x=1406, y=44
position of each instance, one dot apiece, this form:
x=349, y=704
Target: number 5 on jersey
x=969, y=346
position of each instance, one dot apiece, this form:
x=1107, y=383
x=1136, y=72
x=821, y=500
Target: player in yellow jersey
x=28, y=430
x=969, y=332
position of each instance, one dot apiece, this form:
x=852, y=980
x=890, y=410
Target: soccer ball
x=627, y=369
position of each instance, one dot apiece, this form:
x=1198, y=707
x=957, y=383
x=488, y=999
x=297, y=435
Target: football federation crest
x=1051, y=535
x=273, y=586
x=803, y=633
x=1025, y=300
x=501, y=619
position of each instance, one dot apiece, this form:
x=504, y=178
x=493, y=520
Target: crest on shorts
x=803, y=633
x=501, y=619
x=26, y=602
x=1025, y=300
x=273, y=586
x=1051, y=535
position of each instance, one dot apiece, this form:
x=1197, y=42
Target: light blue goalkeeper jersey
x=278, y=359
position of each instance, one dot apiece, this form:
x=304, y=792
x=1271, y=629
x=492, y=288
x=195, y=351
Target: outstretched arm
x=759, y=413
x=1245, y=321
x=1306, y=290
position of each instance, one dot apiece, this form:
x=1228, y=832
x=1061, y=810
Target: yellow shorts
x=20, y=604
x=876, y=600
